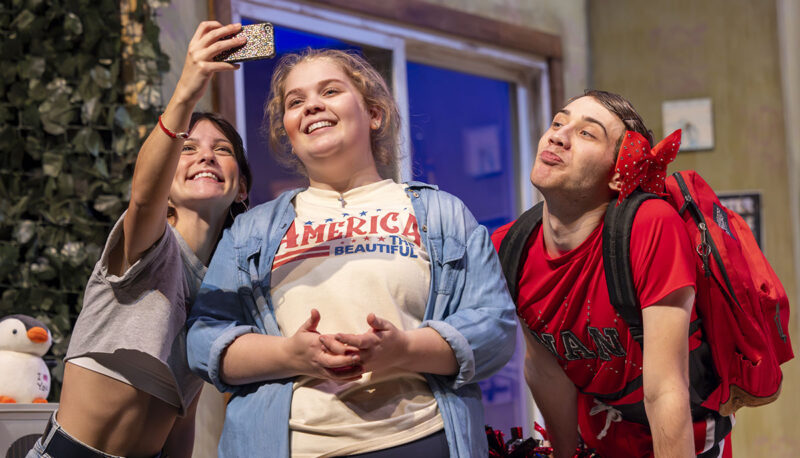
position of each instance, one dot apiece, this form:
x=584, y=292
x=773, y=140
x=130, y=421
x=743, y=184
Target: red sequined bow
x=642, y=167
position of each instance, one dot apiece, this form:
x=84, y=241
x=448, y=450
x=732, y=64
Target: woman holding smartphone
x=355, y=316
x=127, y=388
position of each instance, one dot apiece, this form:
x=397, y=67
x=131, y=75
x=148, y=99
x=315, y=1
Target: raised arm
x=158, y=158
x=555, y=395
x=666, y=373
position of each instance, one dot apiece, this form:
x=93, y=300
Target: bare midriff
x=111, y=415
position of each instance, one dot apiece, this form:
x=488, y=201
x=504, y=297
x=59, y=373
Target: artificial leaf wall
x=78, y=91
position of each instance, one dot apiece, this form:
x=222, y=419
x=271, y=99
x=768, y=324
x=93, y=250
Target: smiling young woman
x=329, y=126
x=127, y=387
x=371, y=309
x=383, y=129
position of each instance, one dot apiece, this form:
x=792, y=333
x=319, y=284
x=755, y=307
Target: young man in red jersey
x=585, y=370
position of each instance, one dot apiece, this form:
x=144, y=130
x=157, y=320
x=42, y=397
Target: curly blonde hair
x=384, y=141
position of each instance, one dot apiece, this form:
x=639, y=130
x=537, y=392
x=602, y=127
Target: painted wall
x=726, y=50
x=566, y=18
x=178, y=21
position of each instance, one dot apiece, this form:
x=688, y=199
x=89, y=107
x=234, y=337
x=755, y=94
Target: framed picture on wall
x=482, y=151
x=694, y=118
x=748, y=206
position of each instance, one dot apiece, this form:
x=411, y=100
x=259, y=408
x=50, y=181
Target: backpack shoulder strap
x=617, y=260
x=513, y=246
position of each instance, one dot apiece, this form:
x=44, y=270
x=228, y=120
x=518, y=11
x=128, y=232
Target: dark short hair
x=239, y=153
x=622, y=109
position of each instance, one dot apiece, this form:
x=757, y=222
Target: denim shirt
x=468, y=305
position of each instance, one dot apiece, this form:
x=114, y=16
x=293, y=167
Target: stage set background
x=734, y=52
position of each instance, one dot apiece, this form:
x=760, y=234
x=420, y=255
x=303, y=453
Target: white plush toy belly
x=24, y=376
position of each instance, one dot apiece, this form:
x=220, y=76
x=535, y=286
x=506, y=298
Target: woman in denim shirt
x=356, y=316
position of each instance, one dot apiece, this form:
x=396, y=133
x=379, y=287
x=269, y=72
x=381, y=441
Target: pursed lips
x=550, y=158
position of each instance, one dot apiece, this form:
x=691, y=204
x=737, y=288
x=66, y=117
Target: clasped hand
x=344, y=357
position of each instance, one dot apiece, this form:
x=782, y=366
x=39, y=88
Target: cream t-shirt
x=348, y=255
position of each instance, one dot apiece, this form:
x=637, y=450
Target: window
x=471, y=113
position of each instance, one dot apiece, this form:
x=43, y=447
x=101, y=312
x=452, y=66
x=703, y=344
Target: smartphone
x=260, y=44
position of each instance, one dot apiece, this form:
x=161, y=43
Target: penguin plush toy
x=24, y=376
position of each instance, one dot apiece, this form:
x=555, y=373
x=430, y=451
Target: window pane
x=462, y=141
x=462, y=138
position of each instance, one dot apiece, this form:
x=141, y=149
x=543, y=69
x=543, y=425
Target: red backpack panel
x=742, y=304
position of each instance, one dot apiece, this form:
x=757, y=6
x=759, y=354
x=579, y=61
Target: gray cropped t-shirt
x=132, y=328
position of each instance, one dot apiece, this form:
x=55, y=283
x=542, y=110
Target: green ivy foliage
x=68, y=143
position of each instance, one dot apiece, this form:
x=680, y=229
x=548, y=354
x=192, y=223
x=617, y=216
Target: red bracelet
x=183, y=135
